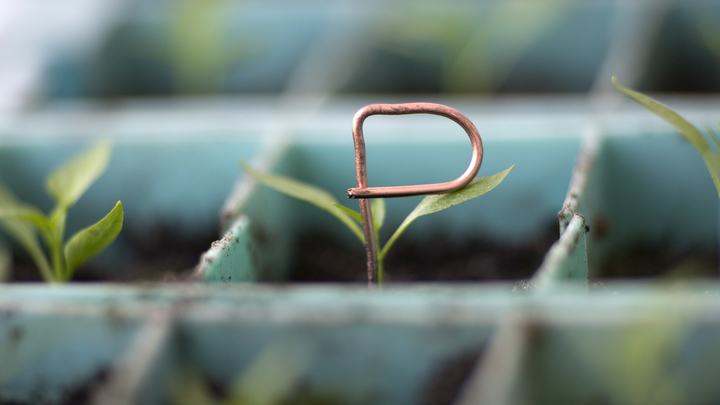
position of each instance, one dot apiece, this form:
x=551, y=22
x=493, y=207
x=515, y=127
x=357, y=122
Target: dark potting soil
x=664, y=263
x=320, y=258
x=157, y=254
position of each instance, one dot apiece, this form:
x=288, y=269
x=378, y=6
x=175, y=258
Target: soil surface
x=437, y=259
x=664, y=263
x=157, y=254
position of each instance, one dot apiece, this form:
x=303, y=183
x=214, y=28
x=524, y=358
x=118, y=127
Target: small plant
x=5, y=262
x=687, y=130
x=351, y=218
x=276, y=376
x=66, y=184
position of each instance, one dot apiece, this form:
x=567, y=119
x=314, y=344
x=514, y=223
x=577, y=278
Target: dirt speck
x=601, y=226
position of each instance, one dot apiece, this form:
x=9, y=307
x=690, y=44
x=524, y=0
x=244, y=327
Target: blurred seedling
x=277, y=376
x=66, y=184
x=688, y=131
x=691, y=265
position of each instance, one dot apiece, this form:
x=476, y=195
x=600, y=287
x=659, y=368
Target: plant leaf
x=378, y=213
x=713, y=138
x=69, y=182
x=5, y=262
x=24, y=212
x=712, y=161
x=687, y=130
x=439, y=202
x=57, y=223
x=55, y=237
x=354, y=214
x=12, y=208
x=92, y=240
x=274, y=375
x=24, y=233
x=308, y=193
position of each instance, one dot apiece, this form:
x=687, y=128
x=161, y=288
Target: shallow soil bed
x=158, y=253
x=641, y=261
x=439, y=258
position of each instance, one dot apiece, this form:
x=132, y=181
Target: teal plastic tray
x=165, y=48
x=556, y=337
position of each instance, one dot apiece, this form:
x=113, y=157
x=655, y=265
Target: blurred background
x=107, y=49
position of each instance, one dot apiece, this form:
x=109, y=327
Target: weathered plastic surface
x=385, y=347
x=551, y=339
x=392, y=342
x=642, y=192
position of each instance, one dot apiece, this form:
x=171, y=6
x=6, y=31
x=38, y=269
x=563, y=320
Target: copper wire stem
x=364, y=193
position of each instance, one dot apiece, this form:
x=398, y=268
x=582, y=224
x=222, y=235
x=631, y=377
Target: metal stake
x=363, y=192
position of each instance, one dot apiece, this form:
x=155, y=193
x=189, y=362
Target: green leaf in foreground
x=687, y=130
x=275, y=374
x=70, y=181
x=308, y=193
x=92, y=240
x=439, y=202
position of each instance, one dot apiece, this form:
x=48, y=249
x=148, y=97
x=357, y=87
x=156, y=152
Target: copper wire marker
x=363, y=192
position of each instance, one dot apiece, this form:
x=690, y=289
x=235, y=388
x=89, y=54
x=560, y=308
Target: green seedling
x=352, y=219
x=66, y=184
x=5, y=262
x=277, y=376
x=687, y=130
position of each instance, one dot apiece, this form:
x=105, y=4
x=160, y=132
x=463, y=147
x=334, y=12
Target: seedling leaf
x=92, y=240
x=24, y=212
x=274, y=375
x=378, y=213
x=713, y=138
x=308, y=193
x=70, y=181
x=439, y=202
x=687, y=130
x=356, y=215
x=24, y=233
x=712, y=162
x=5, y=262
